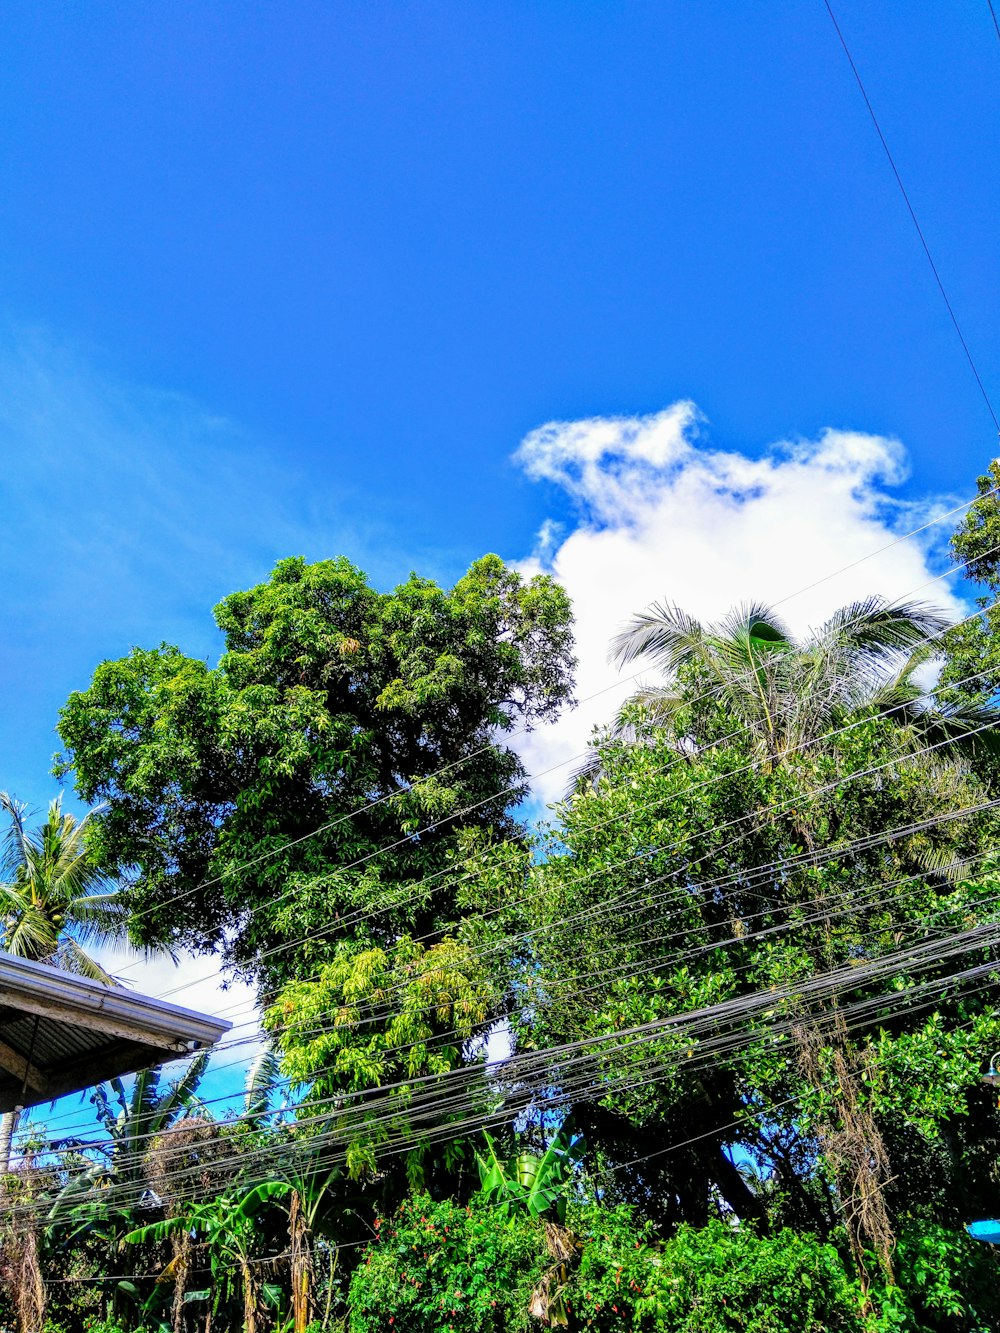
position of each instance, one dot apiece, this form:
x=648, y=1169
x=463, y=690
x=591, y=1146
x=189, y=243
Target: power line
x=519, y=786
x=757, y=872
x=592, y=1176
x=912, y=212
x=537, y=1088
x=876, y=899
x=413, y=891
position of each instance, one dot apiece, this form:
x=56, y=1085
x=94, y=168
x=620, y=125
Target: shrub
x=442, y=1268
x=716, y=1279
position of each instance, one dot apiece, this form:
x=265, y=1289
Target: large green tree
x=756, y=836
x=314, y=787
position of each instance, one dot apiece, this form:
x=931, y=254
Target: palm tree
x=53, y=899
x=54, y=903
x=785, y=694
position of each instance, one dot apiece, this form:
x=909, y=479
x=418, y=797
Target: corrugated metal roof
x=60, y=1033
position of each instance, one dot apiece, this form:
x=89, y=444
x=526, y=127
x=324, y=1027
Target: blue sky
x=302, y=277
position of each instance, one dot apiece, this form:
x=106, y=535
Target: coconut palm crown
x=54, y=903
x=784, y=694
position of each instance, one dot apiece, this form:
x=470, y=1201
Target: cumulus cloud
x=662, y=515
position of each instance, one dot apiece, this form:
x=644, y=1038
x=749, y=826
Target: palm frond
x=15, y=841
x=98, y=919
x=664, y=633
x=27, y=932
x=72, y=958
x=753, y=622
x=261, y=1081
x=970, y=728
x=877, y=628
x=183, y=1090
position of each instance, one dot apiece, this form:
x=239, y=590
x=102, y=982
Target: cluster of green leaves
x=376, y=1018
x=716, y=1279
x=972, y=665
x=438, y=1267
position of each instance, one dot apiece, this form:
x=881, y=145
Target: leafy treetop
x=332, y=758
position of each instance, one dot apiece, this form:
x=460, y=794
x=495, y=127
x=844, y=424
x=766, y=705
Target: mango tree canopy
x=60, y=1033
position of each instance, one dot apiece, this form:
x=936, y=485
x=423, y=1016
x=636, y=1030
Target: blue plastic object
x=987, y=1231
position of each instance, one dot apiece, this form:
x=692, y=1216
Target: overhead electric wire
x=567, y=1089
x=525, y=781
x=876, y=901
x=583, y=1070
x=912, y=212
x=593, y=1177
x=647, y=853
x=757, y=872
x=735, y=1004
x=950, y=571
x=748, y=875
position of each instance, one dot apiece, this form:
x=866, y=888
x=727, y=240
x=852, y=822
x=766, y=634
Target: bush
x=948, y=1283
x=442, y=1268
x=717, y=1279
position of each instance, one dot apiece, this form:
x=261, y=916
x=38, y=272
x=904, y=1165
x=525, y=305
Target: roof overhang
x=60, y=1033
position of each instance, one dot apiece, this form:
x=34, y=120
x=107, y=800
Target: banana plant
x=225, y=1226
x=531, y=1182
x=133, y=1120
x=537, y=1184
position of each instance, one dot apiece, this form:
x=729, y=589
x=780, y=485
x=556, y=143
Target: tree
x=772, y=816
x=54, y=901
x=323, y=773
x=785, y=694
x=376, y=1019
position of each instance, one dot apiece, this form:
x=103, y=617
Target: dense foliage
x=296, y=774
x=700, y=1054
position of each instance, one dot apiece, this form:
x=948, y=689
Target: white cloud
x=661, y=515
x=199, y=983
